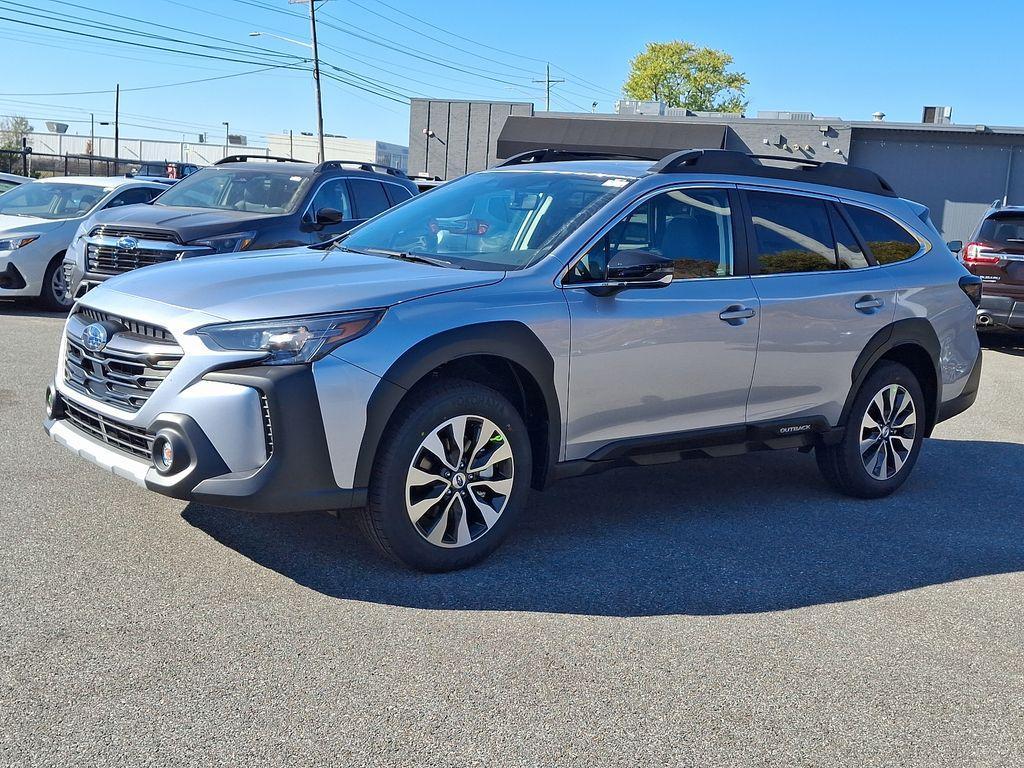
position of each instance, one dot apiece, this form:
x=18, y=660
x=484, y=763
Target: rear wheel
x=884, y=433
x=450, y=478
x=56, y=293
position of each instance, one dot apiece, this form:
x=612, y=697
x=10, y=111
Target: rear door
x=821, y=300
x=368, y=197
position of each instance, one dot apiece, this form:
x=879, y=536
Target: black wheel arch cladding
x=918, y=336
x=506, y=339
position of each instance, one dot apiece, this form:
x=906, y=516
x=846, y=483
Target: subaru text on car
x=428, y=370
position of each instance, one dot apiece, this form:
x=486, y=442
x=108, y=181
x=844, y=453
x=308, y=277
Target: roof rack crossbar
x=363, y=166
x=246, y=158
x=547, y=155
x=731, y=162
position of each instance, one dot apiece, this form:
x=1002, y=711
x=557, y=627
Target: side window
x=370, y=197
x=791, y=233
x=850, y=254
x=133, y=196
x=887, y=240
x=397, y=194
x=692, y=227
x=333, y=194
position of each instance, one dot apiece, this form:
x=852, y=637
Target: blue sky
x=848, y=59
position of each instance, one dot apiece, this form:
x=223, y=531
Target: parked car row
x=560, y=315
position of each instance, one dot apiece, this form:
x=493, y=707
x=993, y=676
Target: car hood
x=293, y=281
x=33, y=223
x=188, y=223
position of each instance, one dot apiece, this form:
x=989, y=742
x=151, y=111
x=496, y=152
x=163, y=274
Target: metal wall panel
x=458, y=139
x=437, y=145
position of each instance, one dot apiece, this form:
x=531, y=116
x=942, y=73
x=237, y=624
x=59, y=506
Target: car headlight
x=16, y=242
x=292, y=340
x=238, y=241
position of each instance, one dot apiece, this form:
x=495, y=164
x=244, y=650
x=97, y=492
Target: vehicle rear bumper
x=1001, y=311
x=966, y=398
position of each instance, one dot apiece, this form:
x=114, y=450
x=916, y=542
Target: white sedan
x=38, y=220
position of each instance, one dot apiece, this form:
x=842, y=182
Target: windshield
x=500, y=221
x=47, y=200
x=238, y=189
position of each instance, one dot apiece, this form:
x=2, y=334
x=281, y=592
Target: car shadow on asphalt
x=1010, y=342
x=706, y=537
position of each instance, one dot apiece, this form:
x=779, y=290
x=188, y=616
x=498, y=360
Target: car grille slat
x=127, y=371
x=110, y=260
x=139, y=234
x=123, y=437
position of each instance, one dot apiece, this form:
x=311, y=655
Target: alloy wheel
x=887, y=431
x=59, y=288
x=459, y=481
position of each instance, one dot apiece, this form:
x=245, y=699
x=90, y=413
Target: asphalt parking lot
x=713, y=612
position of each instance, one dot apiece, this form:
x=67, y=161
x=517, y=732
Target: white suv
x=38, y=221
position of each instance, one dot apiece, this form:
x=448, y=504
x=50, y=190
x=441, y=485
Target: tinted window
x=333, y=194
x=51, y=200
x=693, y=227
x=493, y=219
x=370, y=197
x=6, y=185
x=792, y=233
x=397, y=194
x=133, y=196
x=238, y=189
x=1003, y=228
x=886, y=239
x=850, y=254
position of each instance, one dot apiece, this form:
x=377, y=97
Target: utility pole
x=316, y=84
x=548, y=82
x=117, y=115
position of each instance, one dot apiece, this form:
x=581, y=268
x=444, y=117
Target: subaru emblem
x=94, y=337
x=127, y=243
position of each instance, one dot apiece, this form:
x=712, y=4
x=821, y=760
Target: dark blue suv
x=241, y=203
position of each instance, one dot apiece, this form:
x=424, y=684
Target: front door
x=658, y=361
x=333, y=194
x=821, y=302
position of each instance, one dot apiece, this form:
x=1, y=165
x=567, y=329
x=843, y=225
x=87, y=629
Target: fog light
x=170, y=452
x=54, y=406
x=167, y=454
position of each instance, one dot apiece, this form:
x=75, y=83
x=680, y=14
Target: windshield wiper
x=403, y=255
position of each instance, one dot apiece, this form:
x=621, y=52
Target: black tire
x=842, y=464
x=48, y=299
x=387, y=521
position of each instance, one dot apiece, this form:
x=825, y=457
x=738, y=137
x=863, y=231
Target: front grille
x=133, y=326
x=107, y=258
x=163, y=236
x=124, y=437
x=127, y=371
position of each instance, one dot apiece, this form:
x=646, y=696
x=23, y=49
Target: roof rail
x=731, y=162
x=246, y=158
x=362, y=165
x=545, y=155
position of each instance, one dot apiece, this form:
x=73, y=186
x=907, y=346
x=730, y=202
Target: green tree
x=682, y=74
x=12, y=131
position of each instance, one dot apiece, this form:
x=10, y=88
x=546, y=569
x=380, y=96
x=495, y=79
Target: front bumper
x=1001, y=311
x=296, y=476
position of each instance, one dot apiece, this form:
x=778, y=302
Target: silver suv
x=556, y=316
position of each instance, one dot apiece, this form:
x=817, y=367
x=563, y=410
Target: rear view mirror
x=955, y=245
x=326, y=216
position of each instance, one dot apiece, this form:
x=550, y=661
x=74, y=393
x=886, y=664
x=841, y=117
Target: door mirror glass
x=955, y=245
x=326, y=216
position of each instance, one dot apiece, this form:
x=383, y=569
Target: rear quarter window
x=888, y=241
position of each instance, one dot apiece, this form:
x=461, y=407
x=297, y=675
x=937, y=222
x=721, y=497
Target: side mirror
x=635, y=269
x=955, y=245
x=327, y=216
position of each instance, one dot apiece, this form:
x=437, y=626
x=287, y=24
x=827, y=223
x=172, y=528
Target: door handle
x=736, y=314
x=868, y=304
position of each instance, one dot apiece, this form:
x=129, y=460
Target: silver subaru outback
x=558, y=315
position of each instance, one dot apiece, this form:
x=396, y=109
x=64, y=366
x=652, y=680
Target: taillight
x=971, y=285
x=972, y=254
x=482, y=227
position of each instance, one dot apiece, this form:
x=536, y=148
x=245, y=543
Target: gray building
x=956, y=170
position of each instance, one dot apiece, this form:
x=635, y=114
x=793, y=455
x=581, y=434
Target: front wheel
x=56, y=293
x=884, y=433
x=451, y=476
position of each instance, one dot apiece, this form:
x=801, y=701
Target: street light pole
x=117, y=115
x=227, y=137
x=316, y=84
